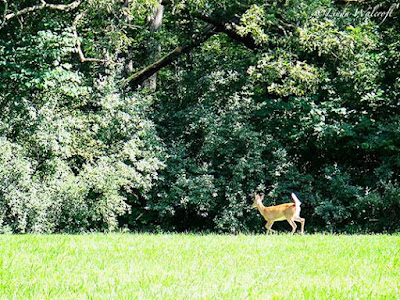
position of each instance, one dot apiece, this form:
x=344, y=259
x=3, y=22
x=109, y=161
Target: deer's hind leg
x=302, y=222
x=293, y=224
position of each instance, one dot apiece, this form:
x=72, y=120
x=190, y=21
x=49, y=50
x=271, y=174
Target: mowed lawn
x=181, y=266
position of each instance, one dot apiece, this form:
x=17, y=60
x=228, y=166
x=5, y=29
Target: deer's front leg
x=269, y=225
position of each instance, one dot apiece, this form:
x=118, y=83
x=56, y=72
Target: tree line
x=169, y=115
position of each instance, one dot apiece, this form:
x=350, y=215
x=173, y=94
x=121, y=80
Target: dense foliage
x=268, y=96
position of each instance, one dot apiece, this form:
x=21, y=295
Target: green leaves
x=252, y=23
x=327, y=39
x=285, y=76
x=75, y=149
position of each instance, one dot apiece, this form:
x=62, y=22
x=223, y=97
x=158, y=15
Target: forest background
x=168, y=116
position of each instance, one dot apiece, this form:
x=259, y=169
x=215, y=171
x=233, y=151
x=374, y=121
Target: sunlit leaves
x=326, y=38
x=284, y=75
x=252, y=23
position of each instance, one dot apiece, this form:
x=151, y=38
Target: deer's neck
x=260, y=207
x=264, y=210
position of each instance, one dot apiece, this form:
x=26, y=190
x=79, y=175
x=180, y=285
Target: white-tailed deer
x=287, y=211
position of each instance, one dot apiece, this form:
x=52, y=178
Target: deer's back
x=279, y=212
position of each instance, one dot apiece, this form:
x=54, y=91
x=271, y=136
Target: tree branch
x=145, y=73
x=43, y=4
x=229, y=28
x=78, y=43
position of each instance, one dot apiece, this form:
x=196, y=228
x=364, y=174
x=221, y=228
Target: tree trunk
x=154, y=48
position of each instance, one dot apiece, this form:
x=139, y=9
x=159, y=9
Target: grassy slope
x=123, y=266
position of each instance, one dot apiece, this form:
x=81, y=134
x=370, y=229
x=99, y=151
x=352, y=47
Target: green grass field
x=178, y=266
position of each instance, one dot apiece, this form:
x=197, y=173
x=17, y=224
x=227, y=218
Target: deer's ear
x=262, y=197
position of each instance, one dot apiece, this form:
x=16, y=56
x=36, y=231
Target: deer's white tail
x=298, y=203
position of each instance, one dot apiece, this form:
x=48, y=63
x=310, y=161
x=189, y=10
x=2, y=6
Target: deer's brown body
x=286, y=211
